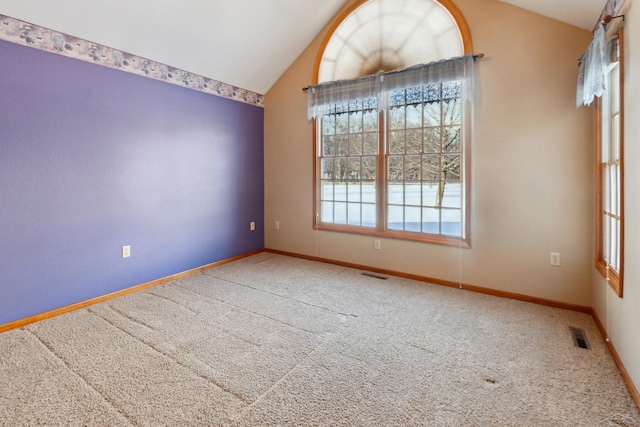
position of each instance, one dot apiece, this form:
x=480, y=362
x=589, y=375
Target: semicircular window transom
x=387, y=35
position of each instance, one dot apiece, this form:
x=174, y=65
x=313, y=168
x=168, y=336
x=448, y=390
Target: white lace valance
x=321, y=97
x=593, y=67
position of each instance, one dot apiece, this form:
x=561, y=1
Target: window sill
x=397, y=235
x=613, y=278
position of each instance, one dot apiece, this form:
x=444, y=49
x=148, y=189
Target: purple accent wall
x=92, y=159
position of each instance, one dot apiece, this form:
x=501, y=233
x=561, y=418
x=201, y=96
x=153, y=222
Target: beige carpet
x=272, y=340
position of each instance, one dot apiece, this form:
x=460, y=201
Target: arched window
x=394, y=162
x=386, y=35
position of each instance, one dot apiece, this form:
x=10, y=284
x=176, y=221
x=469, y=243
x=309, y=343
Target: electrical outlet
x=554, y=259
x=252, y=226
x=377, y=244
x=126, y=251
x=277, y=225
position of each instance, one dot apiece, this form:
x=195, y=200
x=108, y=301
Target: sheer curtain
x=593, y=67
x=321, y=97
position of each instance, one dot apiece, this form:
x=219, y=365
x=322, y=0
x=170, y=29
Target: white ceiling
x=580, y=13
x=246, y=43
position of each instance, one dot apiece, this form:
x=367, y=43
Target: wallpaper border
x=26, y=34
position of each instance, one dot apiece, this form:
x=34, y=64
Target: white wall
x=621, y=317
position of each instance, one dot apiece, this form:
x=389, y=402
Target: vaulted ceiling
x=246, y=43
x=581, y=13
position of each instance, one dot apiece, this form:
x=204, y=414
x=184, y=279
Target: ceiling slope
x=245, y=43
x=580, y=13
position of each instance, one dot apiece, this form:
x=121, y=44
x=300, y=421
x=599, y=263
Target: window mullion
x=381, y=176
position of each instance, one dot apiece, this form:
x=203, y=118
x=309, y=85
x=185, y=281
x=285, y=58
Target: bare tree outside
x=423, y=164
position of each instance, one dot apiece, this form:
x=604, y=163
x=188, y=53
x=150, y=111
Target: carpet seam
x=81, y=377
x=162, y=353
x=253, y=312
x=173, y=301
x=120, y=313
x=283, y=297
x=243, y=411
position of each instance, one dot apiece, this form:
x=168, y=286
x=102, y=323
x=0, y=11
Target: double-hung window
x=392, y=158
x=609, y=176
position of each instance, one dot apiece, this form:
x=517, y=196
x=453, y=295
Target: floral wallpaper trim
x=24, y=33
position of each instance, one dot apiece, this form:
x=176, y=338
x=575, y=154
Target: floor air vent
x=375, y=276
x=580, y=338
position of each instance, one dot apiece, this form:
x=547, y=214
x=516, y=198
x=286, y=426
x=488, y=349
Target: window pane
x=353, y=168
x=451, y=114
x=340, y=192
x=369, y=215
x=326, y=215
x=617, y=190
x=451, y=167
x=451, y=222
x=432, y=114
x=396, y=218
x=615, y=138
x=432, y=140
x=617, y=258
x=396, y=141
x=614, y=85
x=327, y=190
x=329, y=125
x=355, y=122
x=430, y=194
x=412, y=168
x=368, y=170
x=371, y=144
x=396, y=194
x=355, y=145
x=414, y=141
x=328, y=146
x=431, y=221
x=452, y=195
x=327, y=169
x=354, y=213
x=607, y=189
x=412, y=219
x=614, y=243
x=342, y=142
x=354, y=194
x=340, y=213
x=396, y=118
x=370, y=121
x=342, y=123
x=414, y=116
x=368, y=192
x=396, y=168
x=451, y=139
x=413, y=194
x=340, y=168
x=431, y=168
x=612, y=191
